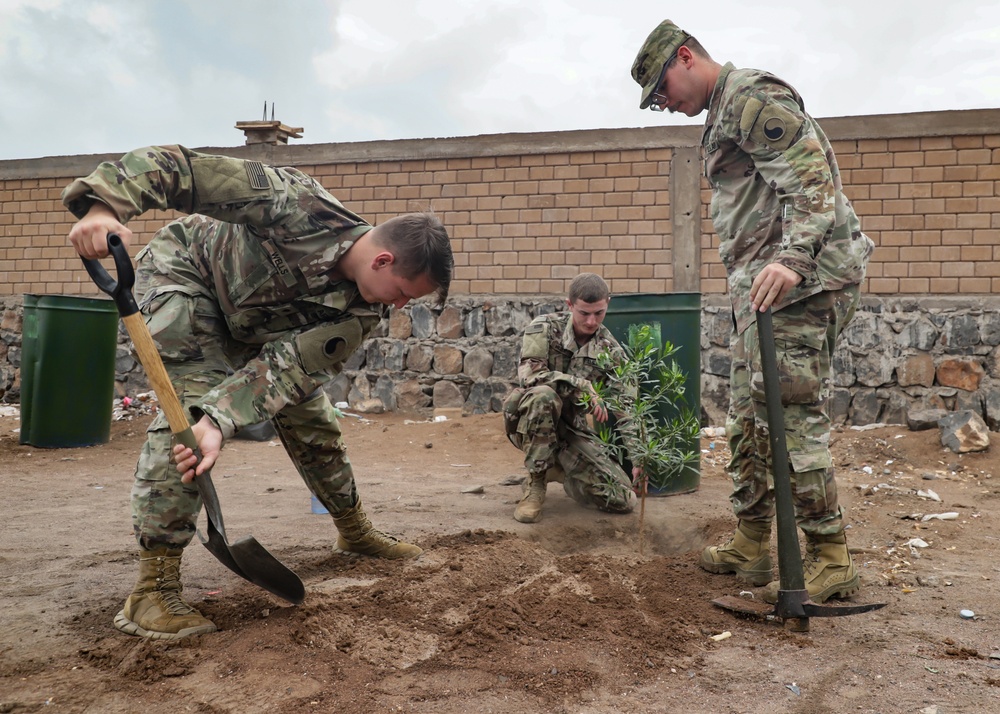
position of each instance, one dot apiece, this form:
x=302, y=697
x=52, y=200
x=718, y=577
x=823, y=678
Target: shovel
x=246, y=557
x=793, y=605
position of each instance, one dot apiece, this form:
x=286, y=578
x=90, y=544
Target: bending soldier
x=242, y=298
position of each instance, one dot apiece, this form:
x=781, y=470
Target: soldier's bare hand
x=772, y=285
x=597, y=407
x=209, y=439
x=90, y=234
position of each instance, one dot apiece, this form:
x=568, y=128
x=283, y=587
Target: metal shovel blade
x=764, y=611
x=793, y=599
x=246, y=557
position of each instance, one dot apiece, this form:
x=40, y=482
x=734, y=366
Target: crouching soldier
x=546, y=417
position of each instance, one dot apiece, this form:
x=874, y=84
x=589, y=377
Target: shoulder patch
x=771, y=124
x=221, y=179
x=257, y=175
x=535, y=343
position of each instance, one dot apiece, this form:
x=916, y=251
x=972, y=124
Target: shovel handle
x=790, y=572
x=121, y=291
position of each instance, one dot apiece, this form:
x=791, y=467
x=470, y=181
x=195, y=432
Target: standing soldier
x=545, y=416
x=254, y=300
x=790, y=241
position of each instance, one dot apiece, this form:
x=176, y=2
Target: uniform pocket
x=812, y=460
x=801, y=358
x=170, y=316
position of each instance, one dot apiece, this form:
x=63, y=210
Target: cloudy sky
x=106, y=76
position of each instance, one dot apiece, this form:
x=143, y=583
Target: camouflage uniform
x=242, y=307
x=777, y=197
x=544, y=418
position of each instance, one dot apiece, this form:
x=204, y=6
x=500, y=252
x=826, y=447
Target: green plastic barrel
x=67, y=370
x=677, y=317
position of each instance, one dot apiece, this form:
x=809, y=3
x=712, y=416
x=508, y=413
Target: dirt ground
x=567, y=615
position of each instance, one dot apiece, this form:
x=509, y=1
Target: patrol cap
x=650, y=64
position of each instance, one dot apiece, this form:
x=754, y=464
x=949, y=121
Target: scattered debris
x=127, y=408
x=721, y=636
x=949, y=516
x=869, y=427
x=473, y=489
x=967, y=614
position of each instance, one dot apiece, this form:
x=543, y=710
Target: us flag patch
x=255, y=172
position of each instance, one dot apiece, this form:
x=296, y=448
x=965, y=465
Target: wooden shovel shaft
x=151, y=362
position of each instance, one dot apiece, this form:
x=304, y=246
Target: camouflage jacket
x=262, y=248
x=776, y=191
x=550, y=356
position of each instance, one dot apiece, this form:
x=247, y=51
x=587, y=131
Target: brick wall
x=527, y=212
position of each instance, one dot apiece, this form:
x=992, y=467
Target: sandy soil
x=567, y=615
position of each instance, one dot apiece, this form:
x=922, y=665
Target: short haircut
x=695, y=47
x=589, y=287
x=420, y=245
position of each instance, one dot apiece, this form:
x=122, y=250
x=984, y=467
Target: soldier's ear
x=383, y=259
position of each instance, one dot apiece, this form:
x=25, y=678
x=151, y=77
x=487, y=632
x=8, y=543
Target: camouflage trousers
x=198, y=353
x=805, y=335
x=533, y=422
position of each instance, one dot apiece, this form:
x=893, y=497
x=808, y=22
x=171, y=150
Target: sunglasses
x=658, y=101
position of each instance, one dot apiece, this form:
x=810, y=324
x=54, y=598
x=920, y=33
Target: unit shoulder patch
x=769, y=124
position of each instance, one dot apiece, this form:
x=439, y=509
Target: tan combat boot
x=529, y=508
x=827, y=569
x=155, y=608
x=357, y=536
x=747, y=554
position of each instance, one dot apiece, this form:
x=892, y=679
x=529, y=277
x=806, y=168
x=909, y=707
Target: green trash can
x=67, y=370
x=677, y=317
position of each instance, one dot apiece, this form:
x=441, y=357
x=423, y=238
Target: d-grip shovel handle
x=121, y=291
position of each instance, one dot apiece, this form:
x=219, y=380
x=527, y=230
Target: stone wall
x=897, y=355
